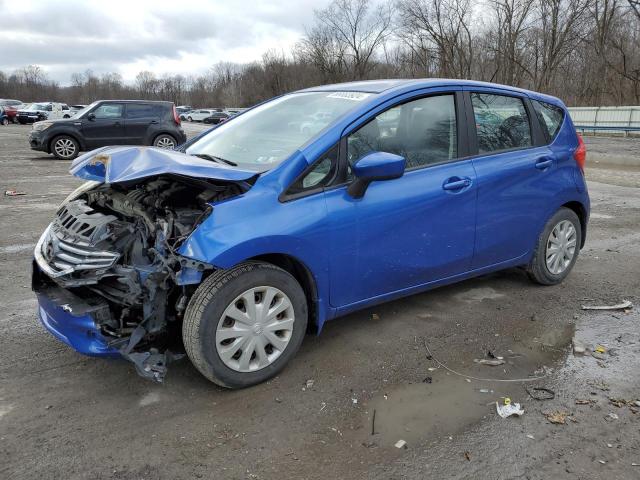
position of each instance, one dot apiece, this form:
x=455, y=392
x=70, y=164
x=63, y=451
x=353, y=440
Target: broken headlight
x=85, y=187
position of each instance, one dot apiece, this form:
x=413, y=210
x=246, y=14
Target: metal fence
x=610, y=119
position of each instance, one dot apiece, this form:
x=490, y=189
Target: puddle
x=478, y=294
x=423, y=412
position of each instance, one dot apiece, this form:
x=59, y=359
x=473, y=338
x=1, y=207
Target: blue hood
x=122, y=164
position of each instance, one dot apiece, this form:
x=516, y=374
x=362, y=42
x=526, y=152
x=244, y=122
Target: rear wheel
x=5, y=121
x=190, y=119
x=164, y=141
x=65, y=147
x=557, y=248
x=244, y=324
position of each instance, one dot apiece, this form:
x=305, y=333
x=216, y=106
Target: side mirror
x=375, y=166
x=91, y=117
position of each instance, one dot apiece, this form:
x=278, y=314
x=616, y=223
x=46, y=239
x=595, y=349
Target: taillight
x=580, y=155
x=176, y=117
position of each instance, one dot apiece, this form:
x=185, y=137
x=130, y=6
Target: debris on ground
x=490, y=362
x=427, y=380
x=13, y=193
x=541, y=393
x=600, y=385
x=485, y=390
x=375, y=316
x=467, y=455
x=611, y=416
x=559, y=417
x=531, y=437
x=508, y=409
x=309, y=383
x=618, y=402
x=401, y=444
x=625, y=304
x=578, y=348
x=600, y=349
x=584, y=402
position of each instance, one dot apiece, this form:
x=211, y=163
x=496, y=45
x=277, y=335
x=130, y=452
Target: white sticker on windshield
x=356, y=96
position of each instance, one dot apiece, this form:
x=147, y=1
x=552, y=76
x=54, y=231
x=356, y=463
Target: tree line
x=586, y=52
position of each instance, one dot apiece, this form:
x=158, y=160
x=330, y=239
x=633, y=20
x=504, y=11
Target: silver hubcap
x=255, y=329
x=165, y=142
x=65, y=147
x=561, y=247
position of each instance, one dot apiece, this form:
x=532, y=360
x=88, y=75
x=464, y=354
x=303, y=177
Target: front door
x=413, y=230
x=105, y=127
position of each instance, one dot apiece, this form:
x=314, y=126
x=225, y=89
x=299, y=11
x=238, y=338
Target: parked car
x=11, y=112
x=74, y=109
x=200, y=114
x=109, y=122
x=184, y=109
x=39, y=111
x=253, y=232
x=215, y=118
x=4, y=118
x=9, y=102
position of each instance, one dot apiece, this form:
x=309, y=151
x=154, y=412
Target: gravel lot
x=65, y=416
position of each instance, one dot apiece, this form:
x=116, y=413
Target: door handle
x=544, y=163
x=154, y=122
x=456, y=183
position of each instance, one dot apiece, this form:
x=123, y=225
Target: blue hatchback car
x=302, y=209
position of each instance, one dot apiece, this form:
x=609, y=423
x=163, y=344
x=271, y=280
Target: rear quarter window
x=550, y=118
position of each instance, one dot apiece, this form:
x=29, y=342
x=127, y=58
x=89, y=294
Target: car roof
x=404, y=85
x=159, y=102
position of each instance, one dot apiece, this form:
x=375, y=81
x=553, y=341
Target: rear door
x=140, y=117
x=515, y=175
x=106, y=126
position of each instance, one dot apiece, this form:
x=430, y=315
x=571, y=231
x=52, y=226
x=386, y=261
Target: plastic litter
x=509, y=409
x=401, y=444
x=13, y=193
x=578, y=348
x=620, y=306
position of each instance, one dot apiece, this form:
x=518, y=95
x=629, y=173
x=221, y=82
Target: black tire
x=190, y=119
x=164, y=140
x=537, y=269
x=64, y=147
x=5, y=121
x=209, y=302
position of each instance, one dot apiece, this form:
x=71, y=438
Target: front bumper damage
x=107, y=275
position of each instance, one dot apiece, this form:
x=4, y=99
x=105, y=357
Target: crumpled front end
x=107, y=273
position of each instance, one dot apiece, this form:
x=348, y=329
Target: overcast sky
x=127, y=36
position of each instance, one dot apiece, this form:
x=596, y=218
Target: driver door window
x=106, y=111
x=423, y=131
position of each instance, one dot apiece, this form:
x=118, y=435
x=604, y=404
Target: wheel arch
x=65, y=134
x=303, y=276
x=580, y=210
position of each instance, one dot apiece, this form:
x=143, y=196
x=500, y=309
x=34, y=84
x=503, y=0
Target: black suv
x=109, y=122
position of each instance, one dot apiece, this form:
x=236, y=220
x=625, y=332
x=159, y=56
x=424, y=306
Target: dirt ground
x=65, y=416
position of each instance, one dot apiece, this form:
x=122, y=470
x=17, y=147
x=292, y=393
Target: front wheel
x=190, y=119
x=164, y=141
x=557, y=248
x=244, y=324
x=65, y=147
x=5, y=121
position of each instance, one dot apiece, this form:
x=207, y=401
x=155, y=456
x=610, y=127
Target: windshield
x=37, y=106
x=266, y=135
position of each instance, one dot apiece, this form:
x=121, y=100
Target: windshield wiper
x=206, y=156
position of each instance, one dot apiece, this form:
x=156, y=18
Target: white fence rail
x=623, y=119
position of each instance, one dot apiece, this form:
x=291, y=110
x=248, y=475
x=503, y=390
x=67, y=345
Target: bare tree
x=439, y=29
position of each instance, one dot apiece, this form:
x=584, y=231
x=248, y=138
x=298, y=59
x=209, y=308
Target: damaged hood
x=122, y=164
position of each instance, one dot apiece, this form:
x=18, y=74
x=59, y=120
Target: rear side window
x=502, y=122
x=143, y=110
x=550, y=118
